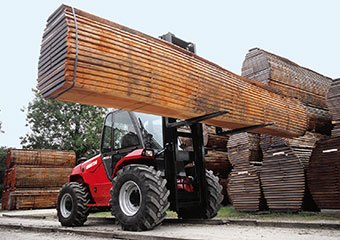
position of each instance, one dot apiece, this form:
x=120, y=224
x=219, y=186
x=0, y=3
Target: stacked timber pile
x=33, y=177
x=244, y=186
x=286, y=78
x=216, y=158
x=286, y=160
x=323, y=175
x=333, y=103
x=90, y=60
x=283, y=171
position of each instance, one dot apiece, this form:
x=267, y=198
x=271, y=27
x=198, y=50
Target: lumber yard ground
x=35, y=224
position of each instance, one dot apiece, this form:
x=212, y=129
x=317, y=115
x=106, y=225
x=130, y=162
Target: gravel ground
x=8, y=234
x=174, y=230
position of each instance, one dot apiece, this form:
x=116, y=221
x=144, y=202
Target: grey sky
x=306, y=32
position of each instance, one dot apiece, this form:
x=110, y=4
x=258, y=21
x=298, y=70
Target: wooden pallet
x=97, y=62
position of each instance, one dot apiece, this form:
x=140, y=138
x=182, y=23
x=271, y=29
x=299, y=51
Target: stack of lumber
x=33, y=177
x=90, y=60
x=323, y=174
x=244, y=187
x=283, y=171
x=286, y=78
x=216, y=158
x=333, y=103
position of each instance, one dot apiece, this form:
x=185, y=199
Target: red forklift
x=141, y=172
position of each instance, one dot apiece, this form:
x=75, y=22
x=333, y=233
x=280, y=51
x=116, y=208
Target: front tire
x=214, y=200
x=139, y=197
x=71, y=206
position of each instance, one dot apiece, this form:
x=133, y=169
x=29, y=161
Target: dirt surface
x=167, y=231
x=7, y=234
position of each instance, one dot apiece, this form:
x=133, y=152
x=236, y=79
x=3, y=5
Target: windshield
x=152, y=124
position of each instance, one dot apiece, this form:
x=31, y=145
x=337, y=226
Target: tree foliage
x=64, y=126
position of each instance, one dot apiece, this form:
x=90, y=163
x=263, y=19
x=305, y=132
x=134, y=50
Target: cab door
x=121, y=135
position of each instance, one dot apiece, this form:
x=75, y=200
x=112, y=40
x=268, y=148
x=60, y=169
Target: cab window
x=107, y=134
x=124, y=132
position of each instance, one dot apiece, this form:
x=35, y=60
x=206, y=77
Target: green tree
x=64, y=126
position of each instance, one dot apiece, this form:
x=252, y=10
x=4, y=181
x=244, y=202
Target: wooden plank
x=123, y=68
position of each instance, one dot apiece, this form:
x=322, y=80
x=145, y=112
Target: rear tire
x=214, y=199
x=139, y=197
x=71, y=206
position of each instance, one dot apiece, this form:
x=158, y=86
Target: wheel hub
x=66, y=205
x=130, y=198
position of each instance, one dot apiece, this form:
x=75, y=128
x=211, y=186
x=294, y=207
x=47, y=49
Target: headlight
x=148, y=153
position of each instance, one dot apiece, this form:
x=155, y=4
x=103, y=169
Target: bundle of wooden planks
x=216, y=158
x=286, y=78
x=323, y=174
x=333, y=103
x=33, y=177
x=94, y=61
x=283, y=171
x=244, y=186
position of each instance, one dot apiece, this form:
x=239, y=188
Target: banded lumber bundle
x=43, y=158
x=212, y=140
x=286, y=78
x=30, y=199
x=90, y=60
x=244, y=186
x=283, y=172
x=333, y=103
x=218, y=162
x=216, y=142
x=323, y=174
x=38, y=177
x=33, y=177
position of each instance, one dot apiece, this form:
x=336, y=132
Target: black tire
x=71, y=206
x=214, y=198
x=139, y=197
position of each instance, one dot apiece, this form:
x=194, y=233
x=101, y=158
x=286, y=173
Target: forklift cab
x=124, y=132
